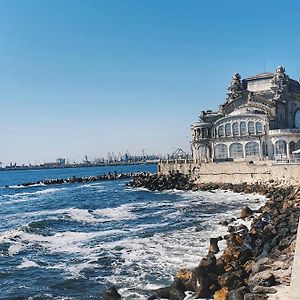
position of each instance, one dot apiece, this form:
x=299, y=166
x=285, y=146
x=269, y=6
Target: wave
x=26, y=186
x=36, y=193
x=26, y=263
x=62, y=242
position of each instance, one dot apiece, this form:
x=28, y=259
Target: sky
x=91, y=77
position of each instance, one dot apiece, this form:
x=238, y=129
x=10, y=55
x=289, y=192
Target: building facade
x=260, y=120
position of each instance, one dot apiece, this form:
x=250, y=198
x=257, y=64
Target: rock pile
x=254, y=260
x=174, y=180
x=74, y=179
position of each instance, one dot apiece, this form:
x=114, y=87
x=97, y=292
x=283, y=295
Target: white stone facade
x=259, y=120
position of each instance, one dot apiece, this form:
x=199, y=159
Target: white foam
x=121, y=212
x=69, y=241
x=163, y=253
x=81, y=215
x=26, y=263
x=26, y=186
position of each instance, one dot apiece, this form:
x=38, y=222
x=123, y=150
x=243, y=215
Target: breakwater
x=255, y=259
x=74, y=179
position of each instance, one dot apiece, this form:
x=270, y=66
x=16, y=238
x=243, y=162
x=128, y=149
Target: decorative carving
x=236, y=87
x=279, y=83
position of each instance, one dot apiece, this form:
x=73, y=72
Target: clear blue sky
x=91, y=77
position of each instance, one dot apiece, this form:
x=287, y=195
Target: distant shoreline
x=27, y=168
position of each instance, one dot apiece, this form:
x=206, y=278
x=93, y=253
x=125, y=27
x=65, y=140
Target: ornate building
x=260, y=119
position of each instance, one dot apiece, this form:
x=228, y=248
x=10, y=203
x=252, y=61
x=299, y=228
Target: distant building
x=260, y=119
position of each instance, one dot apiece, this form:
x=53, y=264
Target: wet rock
x=111, y=294
x=246, y=212
x=213, y=246
x=224, y=223
x=237, y=294
x=200, y=281
x=172, y=292
x=231, y=280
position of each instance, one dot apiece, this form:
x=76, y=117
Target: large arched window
x=236, y=150
x=221, y=151
x=251, y=127
x=235, y=128
x=221, y=131
x=228, y=129
x=202, y=151
x=280, y=147
x=252, y=149
x=292, y=146
x=259, y=127
x=243, y=128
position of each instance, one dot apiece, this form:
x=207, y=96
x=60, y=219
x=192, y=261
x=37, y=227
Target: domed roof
x=246, y=111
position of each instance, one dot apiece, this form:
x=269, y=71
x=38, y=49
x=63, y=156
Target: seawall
x=234, y=172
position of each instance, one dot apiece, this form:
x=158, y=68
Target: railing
x=177, y=161
x=279, y=131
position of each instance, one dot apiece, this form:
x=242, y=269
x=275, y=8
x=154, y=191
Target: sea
x=73, y=241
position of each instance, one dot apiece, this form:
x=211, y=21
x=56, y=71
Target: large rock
x=200, y=282
x=246, y=212
x=111, y=294
x=172, y=292
x=237, y=294
x=213, y=246
x=264, y=278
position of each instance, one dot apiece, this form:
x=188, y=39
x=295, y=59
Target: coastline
x=256, y=261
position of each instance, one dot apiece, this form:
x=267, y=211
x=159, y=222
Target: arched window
x=221, y=131
x=236, y=150
x=202, y=151
x=251, y=127
x=235, y=128
x=252, y=149
x=280, y=147
x=221, y=151
x=243, y=128
x=259, y=128
x=228, y=129
x=292, y=146
x=298, y=145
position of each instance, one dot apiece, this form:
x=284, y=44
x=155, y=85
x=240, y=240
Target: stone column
x=244, y=149
x=288, y=149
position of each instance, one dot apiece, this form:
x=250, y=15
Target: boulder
x=200, y=282
x=173, y=292
x=111, y=294
x=264, y=278
x=237, y=294
x=246, y=212
x=264, y=290
x=253, y=296
x=231, y=280
x=213, y=246
x=221, y=294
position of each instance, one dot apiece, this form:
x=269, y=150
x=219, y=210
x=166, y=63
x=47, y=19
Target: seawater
x=72, y=241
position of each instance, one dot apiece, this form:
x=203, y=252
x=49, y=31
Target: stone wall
x=235, y=172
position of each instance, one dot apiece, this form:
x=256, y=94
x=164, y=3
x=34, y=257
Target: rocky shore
x=255, y=260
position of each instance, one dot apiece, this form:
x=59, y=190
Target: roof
x=260, y=76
